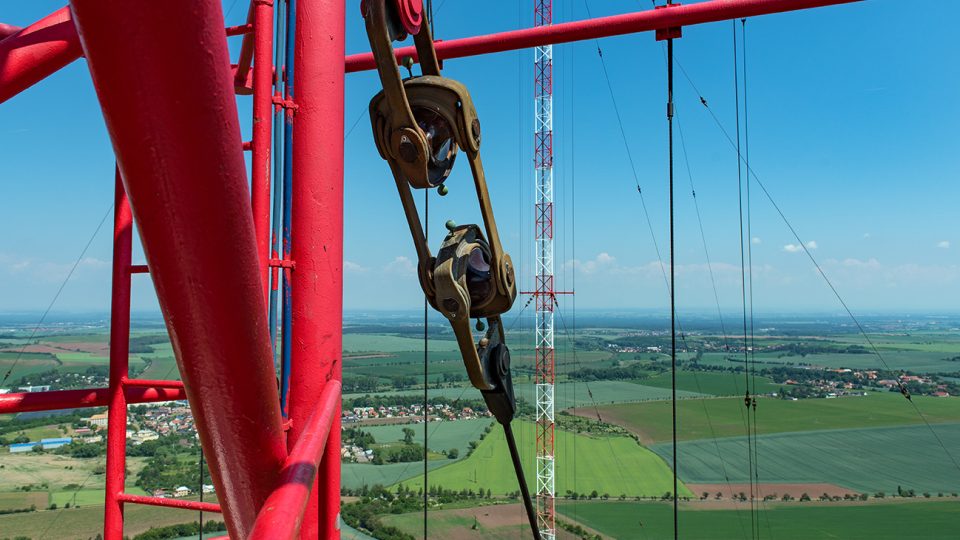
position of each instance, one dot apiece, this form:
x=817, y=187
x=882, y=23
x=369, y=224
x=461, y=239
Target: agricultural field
x=86, y=522
x=724, y=417
x=609, y=464
x=714, y=384
x=442, y=435
x=920, y=520
x=489, y=522
x=866, y=460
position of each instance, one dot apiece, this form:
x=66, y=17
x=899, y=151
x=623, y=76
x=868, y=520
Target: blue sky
x=853, y=127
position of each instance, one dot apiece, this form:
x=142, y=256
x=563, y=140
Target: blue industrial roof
x=65, y=440
x=23, y=445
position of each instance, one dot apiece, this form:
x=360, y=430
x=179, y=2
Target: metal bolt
x=443, y=190
x=408, y=150
x=480, y=326
x=451, y=225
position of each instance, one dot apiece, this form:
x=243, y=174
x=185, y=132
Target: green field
x=715, y=384
x=386, y=343
x=356, y=475
x=614, y=465
x=82, y=497
x=927, y=520
x=87, y=521
x=652, y=420
x=864, y=460
x=568, y=394
x=442, y=435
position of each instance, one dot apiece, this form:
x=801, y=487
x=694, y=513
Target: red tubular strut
x=79, y=399
x=317, y=231
x=119, y=362
x=170, y=503
x=36, y=52
x=262, y=109
x=183, y=169
x=615, y=25
x=7, y=30
x=281, y=515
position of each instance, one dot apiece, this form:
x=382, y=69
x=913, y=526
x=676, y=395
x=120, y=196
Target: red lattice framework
x=167, y=89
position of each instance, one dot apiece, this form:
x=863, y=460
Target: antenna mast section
x=543, y=289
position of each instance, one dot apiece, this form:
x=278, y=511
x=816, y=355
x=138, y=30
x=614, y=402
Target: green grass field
x=356, y=475
x=652, y=420
x=614, y=465
x=715, y=384
x=927, y=520
x=82, y=497
x=87, y=521
x=442, y=435
x=568, y=394
x=387, y=343
x=864, y=460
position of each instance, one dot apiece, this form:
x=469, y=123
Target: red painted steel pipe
x=262, y=124
x=7, y=30
x=80, y=399
x=282, y=514
x=615, y=25
x=246, y=56
x=119, y=362
x=151, y=383
x=317, y=246
x=176, y=135
x=170, y=503
x=37, y=51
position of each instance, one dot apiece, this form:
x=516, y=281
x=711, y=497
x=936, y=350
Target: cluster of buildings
x=356, y=453
x=159, y=419
x=181, y=491
x=411, y=413
x=40, y=388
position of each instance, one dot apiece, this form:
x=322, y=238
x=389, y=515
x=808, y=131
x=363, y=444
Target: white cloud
x=350, y=266
x=796, y=248
x=943, y=244
x=401, y=266
x=756, y=240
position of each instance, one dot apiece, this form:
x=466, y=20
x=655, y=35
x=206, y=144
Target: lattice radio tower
x=543, y=290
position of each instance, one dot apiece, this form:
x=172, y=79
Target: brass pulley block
x=420, y=124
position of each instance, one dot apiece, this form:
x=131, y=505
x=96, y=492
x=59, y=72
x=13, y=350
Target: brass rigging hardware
x=419, y=125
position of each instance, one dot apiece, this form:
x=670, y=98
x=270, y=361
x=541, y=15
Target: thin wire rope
x=743, y=287
x=769, y=197
x=753, y=346
x=696, y=378
x=56, y=296
x=649, y=224
x=426, y=338
x=673, y=296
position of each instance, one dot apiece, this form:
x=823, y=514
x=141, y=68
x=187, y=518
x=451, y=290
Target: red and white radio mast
x=543, y=287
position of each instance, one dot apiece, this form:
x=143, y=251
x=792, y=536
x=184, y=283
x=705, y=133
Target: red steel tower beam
x=163, y=78
x=317, y=243
x=600, y=27
x=36, y=52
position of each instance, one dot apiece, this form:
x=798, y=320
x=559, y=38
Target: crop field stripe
x=865, y=460
x=927, y=520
